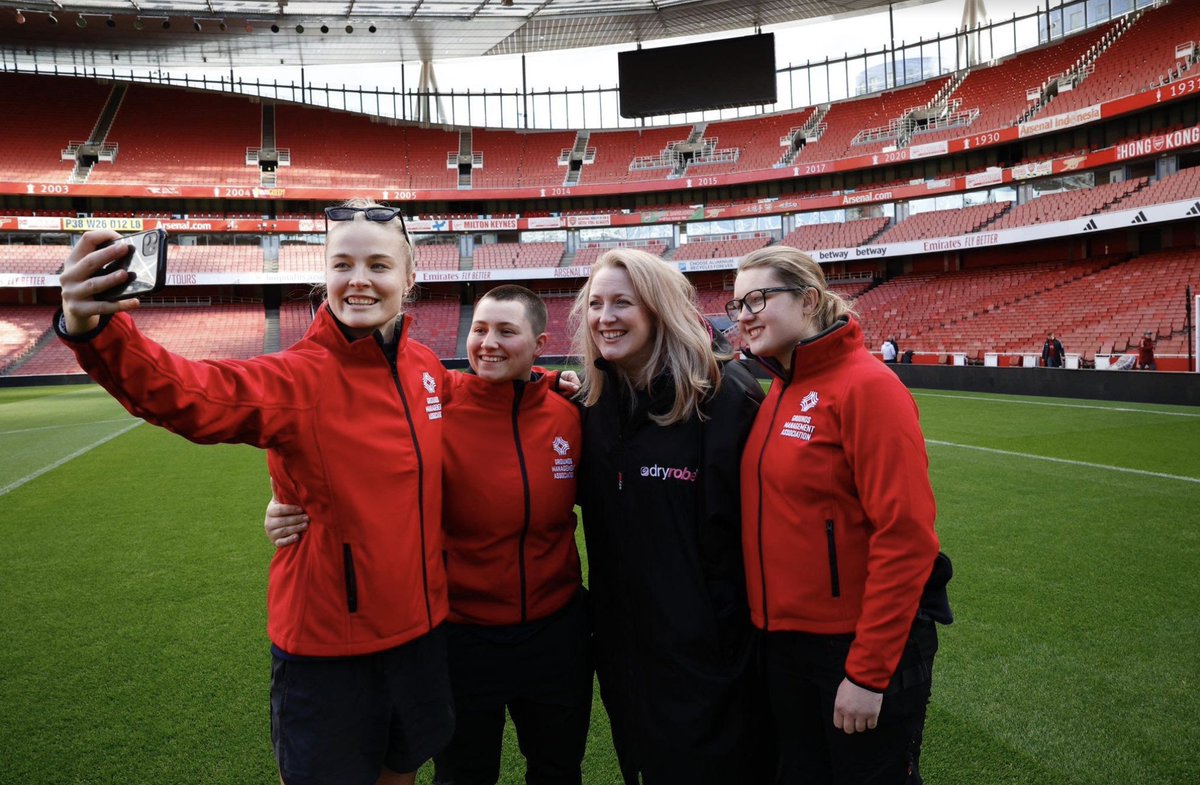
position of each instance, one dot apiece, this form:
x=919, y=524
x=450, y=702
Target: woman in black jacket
x=665, y=420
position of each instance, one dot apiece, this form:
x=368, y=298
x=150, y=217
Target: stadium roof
x=101, y=33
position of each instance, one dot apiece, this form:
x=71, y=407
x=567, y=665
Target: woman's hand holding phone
x=81, y=309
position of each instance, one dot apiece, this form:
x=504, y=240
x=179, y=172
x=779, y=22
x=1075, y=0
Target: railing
x=800, y=86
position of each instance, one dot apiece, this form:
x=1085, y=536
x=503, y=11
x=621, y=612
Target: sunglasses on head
x=377, y=213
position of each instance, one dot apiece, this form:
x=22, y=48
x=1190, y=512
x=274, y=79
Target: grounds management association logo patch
x=810, y=401
x=429, y=383
x=564, y=466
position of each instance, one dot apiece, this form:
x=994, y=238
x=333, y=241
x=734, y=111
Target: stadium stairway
x=271, y=332
x=464, y=329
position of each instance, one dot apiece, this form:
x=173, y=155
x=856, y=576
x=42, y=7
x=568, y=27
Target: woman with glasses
x=664, y=421
x=351, y=419
x=837, y=531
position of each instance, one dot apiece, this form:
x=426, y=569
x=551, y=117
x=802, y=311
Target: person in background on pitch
x=1145, y=358
x=1052, y=352
x=666, y=414
x=890, y=350
x=518, y=635
x=837, y=532
x=360, y=692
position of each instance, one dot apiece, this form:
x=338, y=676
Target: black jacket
x=676, y=653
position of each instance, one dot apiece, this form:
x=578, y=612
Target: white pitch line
x=63, y=425
x=81, y=451
x=1104, y=466
x=1051, y=403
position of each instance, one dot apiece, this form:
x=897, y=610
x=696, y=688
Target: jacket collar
x=500, y=395
x=329, y=332
x=818, y=352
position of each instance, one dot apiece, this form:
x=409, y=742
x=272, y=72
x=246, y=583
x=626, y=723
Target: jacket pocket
x=834, y=584
x=351, y=583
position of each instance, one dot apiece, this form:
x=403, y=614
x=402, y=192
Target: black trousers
x=803, y=675
x=542, y=674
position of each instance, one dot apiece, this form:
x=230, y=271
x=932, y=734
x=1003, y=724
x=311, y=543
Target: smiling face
x=502, y=345
x=618, y=322
x=785, y=321
x=368, y=272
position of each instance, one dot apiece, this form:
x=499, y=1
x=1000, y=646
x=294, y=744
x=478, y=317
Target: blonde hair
x=795, y=268
x=680, y=342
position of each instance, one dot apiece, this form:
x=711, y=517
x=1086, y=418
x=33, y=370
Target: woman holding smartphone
x=359, y=687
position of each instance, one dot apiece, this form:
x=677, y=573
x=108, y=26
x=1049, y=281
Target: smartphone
x=146, y=259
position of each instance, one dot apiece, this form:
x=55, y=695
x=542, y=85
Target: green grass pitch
x=133, y=574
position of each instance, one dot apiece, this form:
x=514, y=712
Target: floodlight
x=249, y=26
x=324, y=28
x=274, y=28
x=52, y=19
x=299, y=28
x=371, y=28
x=349, y=29
x=138, y=24
x=81, y=22
x=196, y=25
x=166, y=25
x=110, y=22
x=19, y=17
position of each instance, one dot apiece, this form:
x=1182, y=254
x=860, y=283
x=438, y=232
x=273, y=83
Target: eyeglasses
x=378, y=214
x=755, y=300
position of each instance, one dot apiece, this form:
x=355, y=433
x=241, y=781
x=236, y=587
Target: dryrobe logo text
x=670, y=473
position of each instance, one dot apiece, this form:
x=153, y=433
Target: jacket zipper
x=762, y=567
x=834, y=584
x=412, y=430
x=351, y=583
x=518, y=391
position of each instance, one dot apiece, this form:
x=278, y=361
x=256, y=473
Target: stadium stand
x=847, y=119
x=294, y=321
x=999, y=92
x=850, y=234
x=21, y=328
x=216, y=258
x=1184, y=184
x=941, y=312
x=943, y=223
x=558, y=327
x=435, y=323
x=499, y=256
x=36, y=132
x=1068, y=204
x=32, y=259
x=520, y=159
x=1098, y=306
x=1139, y=59
x=301, y=258
x=725, y=248
x=201, y=140
x=437, y=256
x=615, y=151
x=196, y=332
x=585, y=257
x=760, y=142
